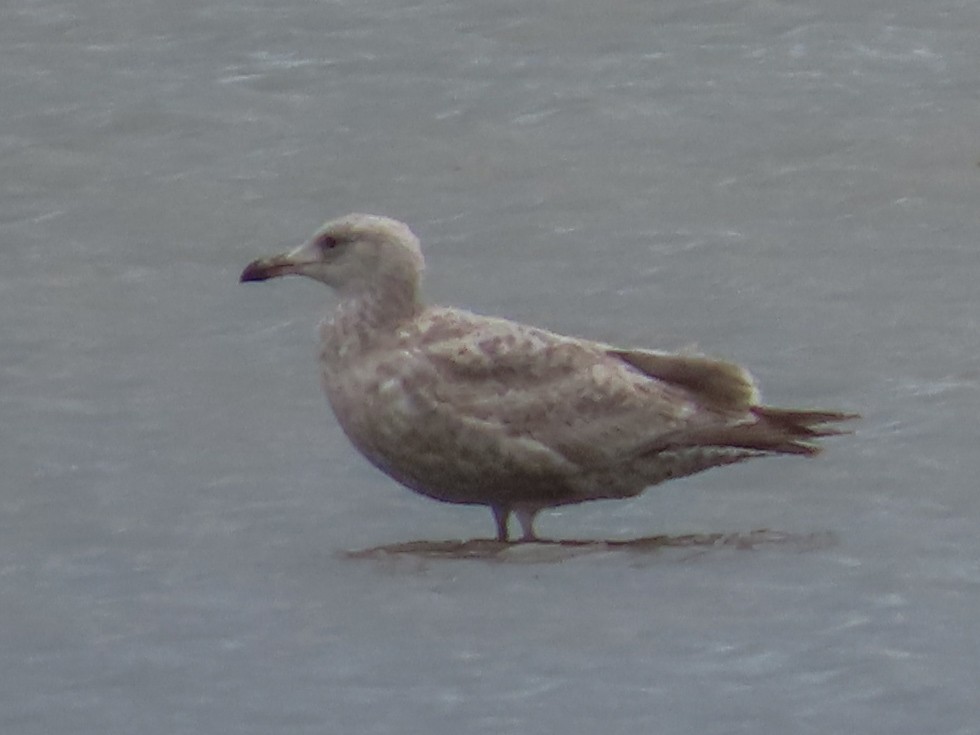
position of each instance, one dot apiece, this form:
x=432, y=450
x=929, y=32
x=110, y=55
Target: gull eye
x=327, y=242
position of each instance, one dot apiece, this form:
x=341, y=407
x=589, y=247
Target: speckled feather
x=465, y=408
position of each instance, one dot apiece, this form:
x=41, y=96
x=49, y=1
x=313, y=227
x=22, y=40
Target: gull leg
x=525, y=516
x=500, y=516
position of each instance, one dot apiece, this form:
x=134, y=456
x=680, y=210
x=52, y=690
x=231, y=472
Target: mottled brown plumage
x=472, y=409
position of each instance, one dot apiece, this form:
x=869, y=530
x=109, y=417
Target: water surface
x=793, y=185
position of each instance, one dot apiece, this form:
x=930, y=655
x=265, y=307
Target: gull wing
x=717, y=384
x=594, y=404
x=580, y=400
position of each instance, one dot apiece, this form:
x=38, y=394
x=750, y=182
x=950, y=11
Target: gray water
x=794, y=185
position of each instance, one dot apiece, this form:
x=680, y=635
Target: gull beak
x=265, y=268
x=277, y=265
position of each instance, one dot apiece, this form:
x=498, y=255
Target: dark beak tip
x=254, y=272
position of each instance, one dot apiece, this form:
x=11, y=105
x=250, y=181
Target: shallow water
x=790, y=184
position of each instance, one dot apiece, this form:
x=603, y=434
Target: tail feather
x=804, y=422
x=752, y=437
x=774, y=431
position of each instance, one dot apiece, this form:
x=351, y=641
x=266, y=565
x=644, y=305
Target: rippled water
x=793, y=185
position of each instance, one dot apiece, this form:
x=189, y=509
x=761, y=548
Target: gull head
x=352, y=254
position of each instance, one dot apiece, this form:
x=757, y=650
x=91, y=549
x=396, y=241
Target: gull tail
x=770, y=431
x=802, y=426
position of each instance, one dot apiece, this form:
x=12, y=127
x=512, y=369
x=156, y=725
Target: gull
x=478, y=410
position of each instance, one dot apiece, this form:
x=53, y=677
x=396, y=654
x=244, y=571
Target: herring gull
x=478, y=410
